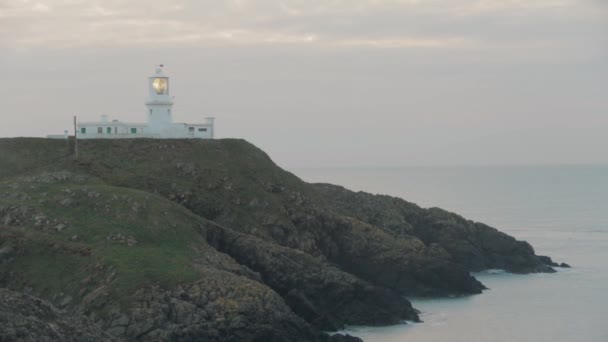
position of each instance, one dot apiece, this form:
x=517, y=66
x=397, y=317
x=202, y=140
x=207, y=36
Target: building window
x=202, y=130
x=83, y=130
x=191, y=129
x=109, y=130
x=99, y=130
x=133, y=130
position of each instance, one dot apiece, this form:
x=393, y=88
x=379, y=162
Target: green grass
x=167, y=238
x=26, y=155
x=46, y=270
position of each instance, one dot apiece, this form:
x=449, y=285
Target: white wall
x=166, y=131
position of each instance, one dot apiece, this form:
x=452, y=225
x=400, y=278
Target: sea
x=561, y=210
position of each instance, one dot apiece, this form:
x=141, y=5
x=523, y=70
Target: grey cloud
x=244, y=21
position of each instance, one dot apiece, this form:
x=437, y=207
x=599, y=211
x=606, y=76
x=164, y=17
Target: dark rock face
x=322, y=294
x=220, y=307
x=402, y=263
x=471, y=244
x=179, y=240
x=26, y=318
x=344, y=338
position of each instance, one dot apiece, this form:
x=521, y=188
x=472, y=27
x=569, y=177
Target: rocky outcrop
x=28, y=319
x=219, y=307
x=474, y=245
x=402, y=263
x=322, y=294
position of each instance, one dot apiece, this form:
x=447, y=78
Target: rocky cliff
x=210, y=240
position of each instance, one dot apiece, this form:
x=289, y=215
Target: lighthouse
x=159, y=103
x=159, y=113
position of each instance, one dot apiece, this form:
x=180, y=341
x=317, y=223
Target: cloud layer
x=366, y=23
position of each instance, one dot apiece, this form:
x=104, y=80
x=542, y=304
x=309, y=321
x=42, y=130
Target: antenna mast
x=75, y=139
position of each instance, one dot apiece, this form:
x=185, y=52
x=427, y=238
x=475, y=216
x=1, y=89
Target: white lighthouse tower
x=159, y=103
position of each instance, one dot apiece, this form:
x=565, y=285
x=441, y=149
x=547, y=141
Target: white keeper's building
x=160, y=123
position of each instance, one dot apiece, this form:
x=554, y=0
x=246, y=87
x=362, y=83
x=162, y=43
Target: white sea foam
x=491, y=272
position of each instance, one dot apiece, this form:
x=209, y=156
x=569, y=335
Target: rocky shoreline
x=177, y=240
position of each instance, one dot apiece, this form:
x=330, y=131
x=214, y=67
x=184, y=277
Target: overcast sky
x=325, y=82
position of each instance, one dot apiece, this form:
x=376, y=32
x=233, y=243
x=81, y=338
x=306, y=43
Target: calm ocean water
x=561, y=210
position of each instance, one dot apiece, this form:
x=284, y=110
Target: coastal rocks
x=186, y=169
x=26, y=216
x=121, y=238
x=548, y=261
x=7, y=252
x=28, y=319
x=55, y=177
x=219, y=307
x=344, y=338
x=404, y=264
x=473, y=245
x=325, y=296
x=17, y=215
